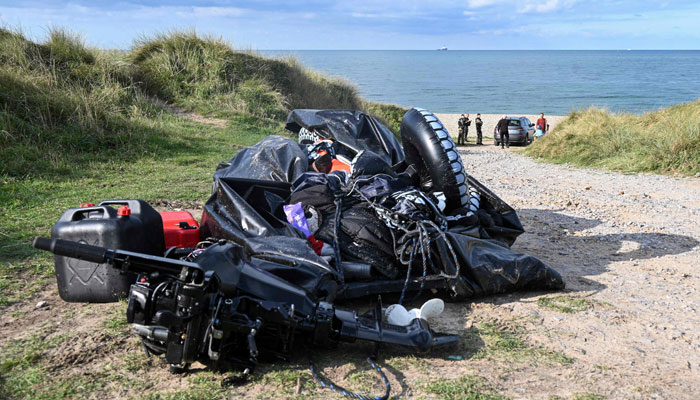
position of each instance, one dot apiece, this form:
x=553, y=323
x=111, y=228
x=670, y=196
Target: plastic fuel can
x=135, y=226
x=180, y=228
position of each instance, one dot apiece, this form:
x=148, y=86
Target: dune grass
x=663, y=141
x=63, y=104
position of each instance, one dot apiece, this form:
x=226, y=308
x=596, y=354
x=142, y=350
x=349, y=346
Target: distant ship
x=443, y=48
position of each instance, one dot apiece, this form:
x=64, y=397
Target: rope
x=336, y=246
x=416, y=234
x=408, y=274
x=424, y=244
x=326, y=383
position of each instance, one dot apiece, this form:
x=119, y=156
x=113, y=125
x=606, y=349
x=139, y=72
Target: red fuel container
x=180, y=229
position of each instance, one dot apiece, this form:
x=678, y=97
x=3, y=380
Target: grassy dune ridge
x=666, y=141
x=64, y=104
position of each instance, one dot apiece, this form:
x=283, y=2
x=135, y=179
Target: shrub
x=667, y=140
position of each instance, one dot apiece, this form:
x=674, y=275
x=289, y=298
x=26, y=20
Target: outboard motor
x=221, y=308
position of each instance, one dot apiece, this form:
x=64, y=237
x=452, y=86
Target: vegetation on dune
x=64, y=105
x=667, y=140
x=208, y=75
x=60, y=101
x=389, y=114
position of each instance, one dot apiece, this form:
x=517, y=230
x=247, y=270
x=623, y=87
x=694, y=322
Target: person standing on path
x=464, y=123
x=542, y=122
x=461, y=123
x=502, y=127
x=466, y=130
x=479, y=123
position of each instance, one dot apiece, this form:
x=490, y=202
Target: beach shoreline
x=490, y=121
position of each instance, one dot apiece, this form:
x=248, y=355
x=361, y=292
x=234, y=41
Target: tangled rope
x=336, y=245
x=414, y=235
x=326, y=383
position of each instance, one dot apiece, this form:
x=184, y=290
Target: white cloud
x=217, y=11
x=482, y=3
x=468, y=13
x=365, y=15
x=547, y=6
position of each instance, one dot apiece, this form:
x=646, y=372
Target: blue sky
x=375, y=24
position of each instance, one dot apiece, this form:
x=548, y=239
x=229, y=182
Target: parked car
x=520, y=130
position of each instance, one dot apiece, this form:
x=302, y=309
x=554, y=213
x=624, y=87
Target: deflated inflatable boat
x=292, y=227
x=398, y=220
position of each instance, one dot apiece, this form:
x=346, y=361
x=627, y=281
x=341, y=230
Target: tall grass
x=207, y=74
x=64, y=105
x=389, y=114
x=667, y=140
x=60, y=99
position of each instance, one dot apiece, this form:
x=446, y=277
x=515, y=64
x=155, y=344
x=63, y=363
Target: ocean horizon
x=514, y=81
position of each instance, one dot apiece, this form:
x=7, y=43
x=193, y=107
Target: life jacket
x=338, y=165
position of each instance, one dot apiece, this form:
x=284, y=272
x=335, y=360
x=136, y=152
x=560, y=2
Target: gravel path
x=629, y=244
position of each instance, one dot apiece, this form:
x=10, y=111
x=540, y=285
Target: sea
x=514, y=81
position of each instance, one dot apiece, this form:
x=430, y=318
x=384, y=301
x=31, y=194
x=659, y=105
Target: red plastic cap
x=124, y=211
x=83, y=205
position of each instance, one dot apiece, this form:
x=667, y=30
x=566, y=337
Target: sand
x=490, y=121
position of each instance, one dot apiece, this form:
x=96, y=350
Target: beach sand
x=490, y=121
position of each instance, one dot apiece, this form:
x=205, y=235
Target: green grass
x=181, y=172
x=204, y=386
x=566, y=304
x=22, y=374
x=588, y=396
x=466, y=387
x=664, y=141
x=22, y=278
x=507, y=342
x=389, y=114
x=116, y=323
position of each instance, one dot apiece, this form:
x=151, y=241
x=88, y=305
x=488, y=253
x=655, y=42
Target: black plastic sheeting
x=275, y=158
x=354, y=130
x=249, y=212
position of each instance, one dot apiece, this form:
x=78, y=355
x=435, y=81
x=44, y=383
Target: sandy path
x=629, y=244
x=490, y=121
x=180, y=112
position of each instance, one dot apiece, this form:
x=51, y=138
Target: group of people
x=501, y=127
x=464, y=123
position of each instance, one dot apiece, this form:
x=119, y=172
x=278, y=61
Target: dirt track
x=627, y=243
x=627, y=246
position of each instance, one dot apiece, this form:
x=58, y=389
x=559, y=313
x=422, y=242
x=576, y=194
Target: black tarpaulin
x=249, y=213
x=275, y=158
x=354, y=130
